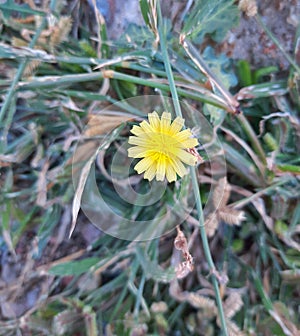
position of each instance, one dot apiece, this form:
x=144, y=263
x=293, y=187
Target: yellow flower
x=162, y=145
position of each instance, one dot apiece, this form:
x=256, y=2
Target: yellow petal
x=146, y=127
x=183, y=135
x=150, y=172
x=179, y=167
x=161, y=169
x=133, y=140
x=137, y=152
x=189, y=143
x=170, y=173
x=165, y=122
x=186, y=157
x=143, y=165
x=137, y=130
x=154, y=120
x=176, y=125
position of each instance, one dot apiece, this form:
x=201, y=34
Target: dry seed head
x=159, y=307
x=17, y=42
x=249, y=7
x=31, y=67
x=233, y=304
x=221, y=193
x=231, y=216
x=61, y=31
x=211, y=224
x=200, y=301
x=233, y=329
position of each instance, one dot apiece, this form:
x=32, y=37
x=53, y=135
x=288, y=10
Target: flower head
x=162, y=147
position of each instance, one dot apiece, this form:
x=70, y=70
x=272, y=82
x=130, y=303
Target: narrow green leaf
x=10, y=6
x=74, y=267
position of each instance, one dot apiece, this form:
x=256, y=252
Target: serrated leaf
x=214, y=17
x=74, y=267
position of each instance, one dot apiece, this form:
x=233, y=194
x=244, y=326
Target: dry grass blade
x=87, y=158
x=80, y=188
x=42, y=186
x=192, y=52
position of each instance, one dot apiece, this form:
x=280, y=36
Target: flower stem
x=193, y=175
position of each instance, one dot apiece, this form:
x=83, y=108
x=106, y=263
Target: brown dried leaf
x=233, y=304
x=103, y=124
x=231, y=216
x=261, y=209
x=187, y=266
x=180, y=241
x=211, y=224
x=183, y=269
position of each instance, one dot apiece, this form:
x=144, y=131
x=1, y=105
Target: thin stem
x=252, y=137
x=168, y=68
x=276, y=42
x=193, y=176
x=56, y=81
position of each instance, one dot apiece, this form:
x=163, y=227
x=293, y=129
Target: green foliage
x=214, y=17
x=74, y=267
x=9, y=7
x=221, y=66
x=248, y=77
x=93, y=283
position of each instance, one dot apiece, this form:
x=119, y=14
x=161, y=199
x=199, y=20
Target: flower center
x=164, y=144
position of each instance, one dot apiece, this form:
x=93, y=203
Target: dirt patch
x=247, y=41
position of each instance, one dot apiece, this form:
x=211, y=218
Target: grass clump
x=69, y=98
